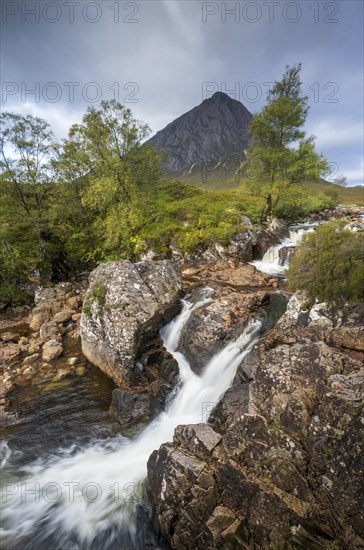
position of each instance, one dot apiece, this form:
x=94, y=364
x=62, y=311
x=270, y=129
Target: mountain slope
x=213, y=133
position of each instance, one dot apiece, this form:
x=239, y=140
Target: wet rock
x=125, y=304
x=72, y=360
x=28, y=371
x=51, y=350
x=285, y=254
x=133, y=410
x=61, y=373
x=277, y=227
x=236, y=292
x=252, y=244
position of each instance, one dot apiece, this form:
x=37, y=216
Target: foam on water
x=99, y=487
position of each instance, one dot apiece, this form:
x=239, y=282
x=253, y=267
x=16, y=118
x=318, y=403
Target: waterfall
x=270, y=262
x=77, y=497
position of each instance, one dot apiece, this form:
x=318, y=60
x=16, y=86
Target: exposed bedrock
x=281, y=463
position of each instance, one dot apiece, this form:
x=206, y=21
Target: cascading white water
x=99, y=487
x=270, y=262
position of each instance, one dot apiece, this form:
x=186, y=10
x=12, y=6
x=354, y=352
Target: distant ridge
x=215, y=132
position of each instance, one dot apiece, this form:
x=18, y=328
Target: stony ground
x=32, y=339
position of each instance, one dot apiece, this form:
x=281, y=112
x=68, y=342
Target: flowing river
x=271, y=262
x=90, y=495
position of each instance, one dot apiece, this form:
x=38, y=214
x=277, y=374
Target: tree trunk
x=269, y=205
x=41, y=244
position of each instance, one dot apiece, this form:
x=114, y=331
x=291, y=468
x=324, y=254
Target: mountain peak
x=214, y=132
x=219, y=96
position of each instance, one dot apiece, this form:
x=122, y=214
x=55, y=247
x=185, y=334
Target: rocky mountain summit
x=213, y=133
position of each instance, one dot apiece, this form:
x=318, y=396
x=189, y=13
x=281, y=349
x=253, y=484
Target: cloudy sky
x=164, y=57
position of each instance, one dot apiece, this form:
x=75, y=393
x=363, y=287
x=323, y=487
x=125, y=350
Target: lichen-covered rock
x=124, y=308
x=283, y=465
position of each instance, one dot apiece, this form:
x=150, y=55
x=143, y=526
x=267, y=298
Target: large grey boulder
x=125, y=306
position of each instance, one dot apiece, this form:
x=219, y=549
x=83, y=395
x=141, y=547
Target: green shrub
x=329, y=265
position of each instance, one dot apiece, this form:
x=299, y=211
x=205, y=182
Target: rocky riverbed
x=280, y=462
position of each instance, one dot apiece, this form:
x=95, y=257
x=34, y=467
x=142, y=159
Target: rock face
x=238, y=289
x=281, y=463
x=212, y=133
x=124, y=308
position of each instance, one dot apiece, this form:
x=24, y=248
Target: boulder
x=51, y=350
x=125, y=306
x=49, y=331
x=238, y=289
x=250, y=245
x=62, y=317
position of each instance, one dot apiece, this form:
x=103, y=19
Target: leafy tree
x=341, y=180
x=329, y=264
x=106, y=149
x=27, y=150
x=280, y=154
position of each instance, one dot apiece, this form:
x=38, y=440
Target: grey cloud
x=171, y=52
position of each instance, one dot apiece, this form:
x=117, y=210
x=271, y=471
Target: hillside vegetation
x=100, y=194
x=224, y=180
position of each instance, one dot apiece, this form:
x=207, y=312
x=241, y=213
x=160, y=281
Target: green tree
x=329, y=265
x=27, y=149
x=106, y=149
x=280, y=154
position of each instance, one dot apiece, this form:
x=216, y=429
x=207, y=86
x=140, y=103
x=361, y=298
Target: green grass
x=191, y=218
x=348, y=195
x=221, y=181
